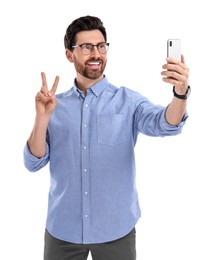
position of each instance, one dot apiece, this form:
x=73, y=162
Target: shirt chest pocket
x=111, y=129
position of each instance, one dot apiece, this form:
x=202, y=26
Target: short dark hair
x=84, y=23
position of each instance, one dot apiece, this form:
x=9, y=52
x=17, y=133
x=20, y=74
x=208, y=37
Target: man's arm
x=176, y=73
x=37, y=139
x=45, y=105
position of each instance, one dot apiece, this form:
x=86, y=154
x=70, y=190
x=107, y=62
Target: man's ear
x=69, y=55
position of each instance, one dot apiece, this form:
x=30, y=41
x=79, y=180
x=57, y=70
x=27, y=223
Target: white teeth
x=94, y=63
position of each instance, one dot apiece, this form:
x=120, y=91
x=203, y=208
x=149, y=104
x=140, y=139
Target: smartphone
x=174, y=49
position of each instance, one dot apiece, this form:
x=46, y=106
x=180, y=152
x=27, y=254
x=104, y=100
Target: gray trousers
x=120, y=249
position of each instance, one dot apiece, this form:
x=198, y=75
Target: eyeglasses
x=87, y=48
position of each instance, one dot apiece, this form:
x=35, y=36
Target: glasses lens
x=103, y=47
x=86, y=48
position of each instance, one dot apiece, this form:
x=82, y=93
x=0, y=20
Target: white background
x=172, y=172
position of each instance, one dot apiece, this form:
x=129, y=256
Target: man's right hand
x=45, y=99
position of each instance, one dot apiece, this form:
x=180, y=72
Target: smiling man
x=87, y=136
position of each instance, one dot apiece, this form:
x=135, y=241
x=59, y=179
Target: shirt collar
x=96, y=89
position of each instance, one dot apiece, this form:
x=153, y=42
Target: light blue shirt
x=90, y=151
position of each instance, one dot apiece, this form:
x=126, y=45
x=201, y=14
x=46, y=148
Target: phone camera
x=170, y=43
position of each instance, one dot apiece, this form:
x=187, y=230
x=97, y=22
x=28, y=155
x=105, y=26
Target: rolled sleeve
x=176, y=129
x=33, y=163
x=151, y=120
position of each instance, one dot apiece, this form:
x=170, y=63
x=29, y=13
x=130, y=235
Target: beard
x=89, y=73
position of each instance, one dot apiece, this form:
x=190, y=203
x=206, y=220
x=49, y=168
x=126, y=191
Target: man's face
x=90, y=65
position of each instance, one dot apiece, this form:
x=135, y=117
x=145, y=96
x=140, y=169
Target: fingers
x=176, y=66
x=175, y=72
x=177, y=80
x=182, y=59
x=54, y=86
x=176, y=62
x=44, y=89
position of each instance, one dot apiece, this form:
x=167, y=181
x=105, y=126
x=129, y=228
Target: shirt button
x=86, y=193
x=86, y=216
x=85, y=125
x=86, y=105
x=85, y=170
x=84, y=147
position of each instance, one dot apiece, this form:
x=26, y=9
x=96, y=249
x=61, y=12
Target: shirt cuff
x=28, y=155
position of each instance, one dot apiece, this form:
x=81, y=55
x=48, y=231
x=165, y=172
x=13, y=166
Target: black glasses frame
x=91, y=47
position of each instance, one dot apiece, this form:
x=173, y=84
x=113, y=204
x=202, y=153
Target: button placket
x=85, y=167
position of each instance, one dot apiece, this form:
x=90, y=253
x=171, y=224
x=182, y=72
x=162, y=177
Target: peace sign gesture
x=45, y=99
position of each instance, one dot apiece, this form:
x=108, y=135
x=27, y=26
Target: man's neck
x=84, y=83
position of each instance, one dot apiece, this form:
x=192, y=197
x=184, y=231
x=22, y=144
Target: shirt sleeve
x=150, y=120
x=33, y=163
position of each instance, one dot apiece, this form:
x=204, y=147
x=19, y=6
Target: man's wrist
x=183, y=96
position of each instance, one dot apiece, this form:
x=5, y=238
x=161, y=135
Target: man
x=87, y=135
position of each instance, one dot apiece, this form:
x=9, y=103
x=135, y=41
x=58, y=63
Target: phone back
x=174, y=49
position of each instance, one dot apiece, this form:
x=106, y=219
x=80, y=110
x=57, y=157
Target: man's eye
x=102, y=46
x=87, y=47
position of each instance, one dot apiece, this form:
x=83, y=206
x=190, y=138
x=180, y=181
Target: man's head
x=86, y=47
x=85, y=23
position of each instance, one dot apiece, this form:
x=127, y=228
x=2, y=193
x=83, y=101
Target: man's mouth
x=94, y=63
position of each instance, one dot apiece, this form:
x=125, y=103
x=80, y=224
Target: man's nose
x=95, y=51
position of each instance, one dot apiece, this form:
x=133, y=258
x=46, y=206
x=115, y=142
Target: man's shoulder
x=64, y=94
x=126, y=91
